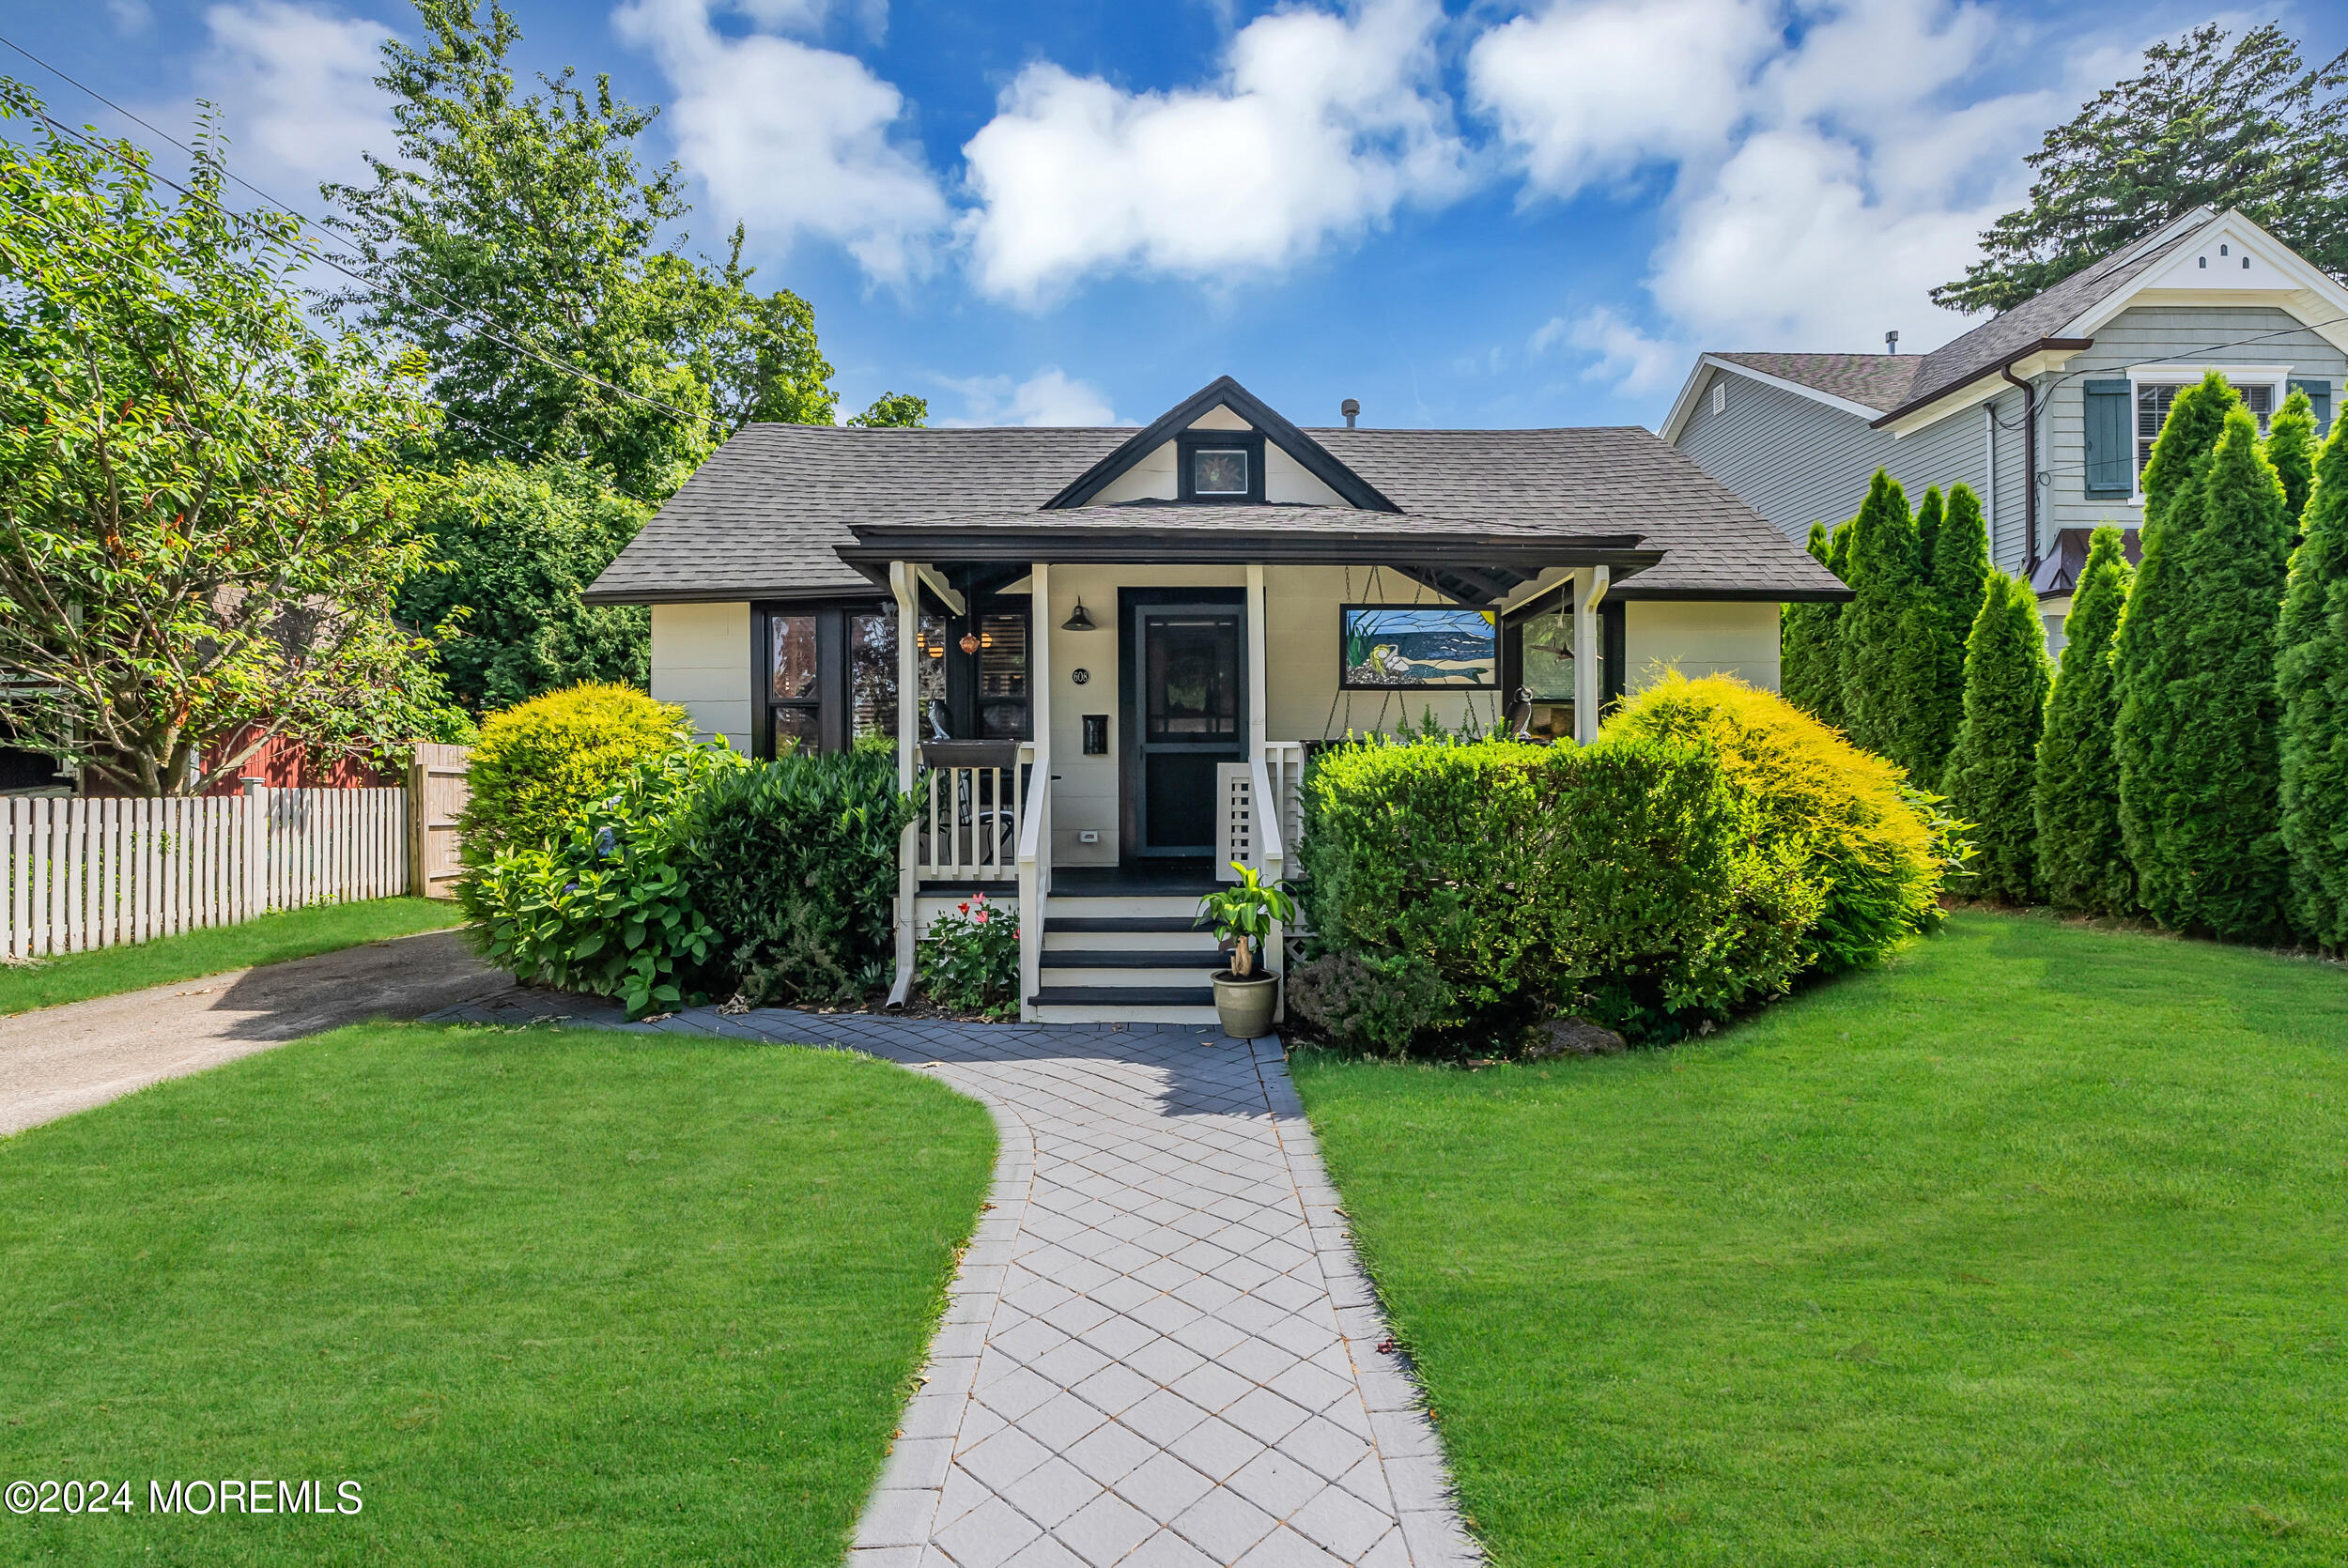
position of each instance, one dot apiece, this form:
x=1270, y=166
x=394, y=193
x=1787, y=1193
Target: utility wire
x=455, y=316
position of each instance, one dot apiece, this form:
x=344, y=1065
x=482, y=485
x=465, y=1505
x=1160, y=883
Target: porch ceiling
x=1472, y=559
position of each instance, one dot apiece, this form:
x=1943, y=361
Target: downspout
x=2030, y=464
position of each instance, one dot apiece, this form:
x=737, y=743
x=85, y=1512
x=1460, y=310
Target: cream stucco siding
x=701, y=657
x=1700, y=638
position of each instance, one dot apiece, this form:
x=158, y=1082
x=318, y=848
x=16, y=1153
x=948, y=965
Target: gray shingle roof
x=1877, y=381
x=1999, y=338
x=765, y=515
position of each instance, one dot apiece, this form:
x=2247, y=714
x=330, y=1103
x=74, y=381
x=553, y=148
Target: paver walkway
x=1161, y=1348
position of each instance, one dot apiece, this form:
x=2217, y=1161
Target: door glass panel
x=1191, y=679
x=792, y=676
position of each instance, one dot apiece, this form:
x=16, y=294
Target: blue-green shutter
x=2110, y=453
x=2319, y=393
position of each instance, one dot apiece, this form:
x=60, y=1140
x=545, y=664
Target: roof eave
x=1988, y=372
x=879, y=543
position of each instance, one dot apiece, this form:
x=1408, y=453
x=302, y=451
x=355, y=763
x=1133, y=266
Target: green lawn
x=549, y=1296
x=2031, y=1248
x=295, y=934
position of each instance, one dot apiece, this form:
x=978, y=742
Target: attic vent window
x=1218, y=472
x=2222, y=251
x=1720, y=396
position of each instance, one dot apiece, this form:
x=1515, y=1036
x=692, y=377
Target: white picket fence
x=78, y=875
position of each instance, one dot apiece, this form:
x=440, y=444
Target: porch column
x=1035, y=832
x=1258, y=679
x=904, y=583
x=1590, y=587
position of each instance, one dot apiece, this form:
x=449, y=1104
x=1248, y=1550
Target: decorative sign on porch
x=1386, y=646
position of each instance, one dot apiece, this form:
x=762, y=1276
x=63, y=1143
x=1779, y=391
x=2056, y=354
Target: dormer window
x=1220, y=468
x=1219, y=471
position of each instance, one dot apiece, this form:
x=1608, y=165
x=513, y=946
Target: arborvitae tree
x=2082, y=865
x=1960, y=572
x=1928, y=528
x=2291, y=447
x=1993, y=772
x=2199, y=742
x=2312, y=676
x=1806, y=674
x=2149, y=651
x=1882, y=627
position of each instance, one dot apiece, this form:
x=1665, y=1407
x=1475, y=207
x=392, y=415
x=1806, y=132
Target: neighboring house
x=1121, y=640
x=2067, y=390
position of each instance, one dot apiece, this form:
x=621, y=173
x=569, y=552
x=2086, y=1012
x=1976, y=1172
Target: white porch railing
x=1035, y=873
x=1238, y=835
x=969, y=823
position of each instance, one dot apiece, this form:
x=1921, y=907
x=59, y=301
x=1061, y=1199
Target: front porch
x=1168, y=709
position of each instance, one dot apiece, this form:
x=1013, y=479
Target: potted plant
x=1245, y=994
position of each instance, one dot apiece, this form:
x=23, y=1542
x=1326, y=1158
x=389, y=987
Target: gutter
x=2003, y=367
x=2030, y=464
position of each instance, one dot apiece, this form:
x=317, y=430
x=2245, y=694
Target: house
x=1117, y=643
x=2047, y=410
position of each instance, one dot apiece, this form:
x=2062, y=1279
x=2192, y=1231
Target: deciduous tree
x=203, y=510
x=2082, y=863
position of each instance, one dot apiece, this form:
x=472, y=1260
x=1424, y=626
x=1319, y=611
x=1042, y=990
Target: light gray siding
x=1789, y=458
x=1796, y=461
x=2178, y=334
x=2009, y=534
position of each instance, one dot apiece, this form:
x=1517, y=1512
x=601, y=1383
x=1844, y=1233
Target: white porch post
x=1258, y=677
x=1035, y=832
x=1590, y=587
x=905, y=585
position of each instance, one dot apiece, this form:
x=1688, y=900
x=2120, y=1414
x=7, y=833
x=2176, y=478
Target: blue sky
x=1525, y=213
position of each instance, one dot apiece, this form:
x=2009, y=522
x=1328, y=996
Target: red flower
x=964, y=906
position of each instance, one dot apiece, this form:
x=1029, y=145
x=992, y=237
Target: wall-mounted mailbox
x=1096, y=734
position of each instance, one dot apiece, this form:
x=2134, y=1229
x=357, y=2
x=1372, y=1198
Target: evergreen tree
x=1881, y=631
x=2199, y=740
x=2291, y=447
x=1928, y=528
x=1993, y=771
x=1806, y=674
x=2187, y=437
x=2082, y=864
x=1960, y=574
x=2313, y=677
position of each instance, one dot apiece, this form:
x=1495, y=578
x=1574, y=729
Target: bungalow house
x=2048, y=410
x=1100, y=653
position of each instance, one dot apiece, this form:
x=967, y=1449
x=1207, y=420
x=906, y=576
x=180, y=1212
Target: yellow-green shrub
x=539, y=764
x=1879, y=846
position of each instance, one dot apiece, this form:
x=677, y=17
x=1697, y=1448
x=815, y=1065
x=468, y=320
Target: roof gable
x=1225, y=392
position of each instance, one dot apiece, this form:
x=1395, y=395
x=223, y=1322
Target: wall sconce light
x=1079, y=622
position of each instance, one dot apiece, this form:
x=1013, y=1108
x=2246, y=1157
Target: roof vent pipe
x=1351, y=409
x=1891, y=342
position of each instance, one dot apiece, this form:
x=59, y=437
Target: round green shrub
x=539, y=764
x=1857, y=827
x=795, y=862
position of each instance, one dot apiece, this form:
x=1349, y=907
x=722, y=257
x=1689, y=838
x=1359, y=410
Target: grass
x=293, y=934
x=2030, y=1247
x=549, y=1296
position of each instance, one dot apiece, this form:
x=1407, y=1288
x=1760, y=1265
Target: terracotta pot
x=1245, y=1007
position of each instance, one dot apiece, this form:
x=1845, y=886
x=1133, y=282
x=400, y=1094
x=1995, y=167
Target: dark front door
x=1186, y=712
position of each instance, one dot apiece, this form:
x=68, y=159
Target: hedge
x=539, y=764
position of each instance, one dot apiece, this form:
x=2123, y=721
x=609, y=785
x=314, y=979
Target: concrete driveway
x=59, y=1060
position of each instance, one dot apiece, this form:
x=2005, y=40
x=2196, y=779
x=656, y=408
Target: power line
x=455, y=316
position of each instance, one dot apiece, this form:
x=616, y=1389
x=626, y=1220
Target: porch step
x=1090, y=905
x=1203, y=1019
x=1062, y=935
x=1199, y=997
x=1127, y=969
x=1206, y=960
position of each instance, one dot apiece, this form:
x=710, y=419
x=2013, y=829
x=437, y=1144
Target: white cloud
x=296, y=85
x=1319, y=125
x=1050, y=397
x=131, y=17
x=1621, y=353
x=1828, y=161
x=791, y=139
